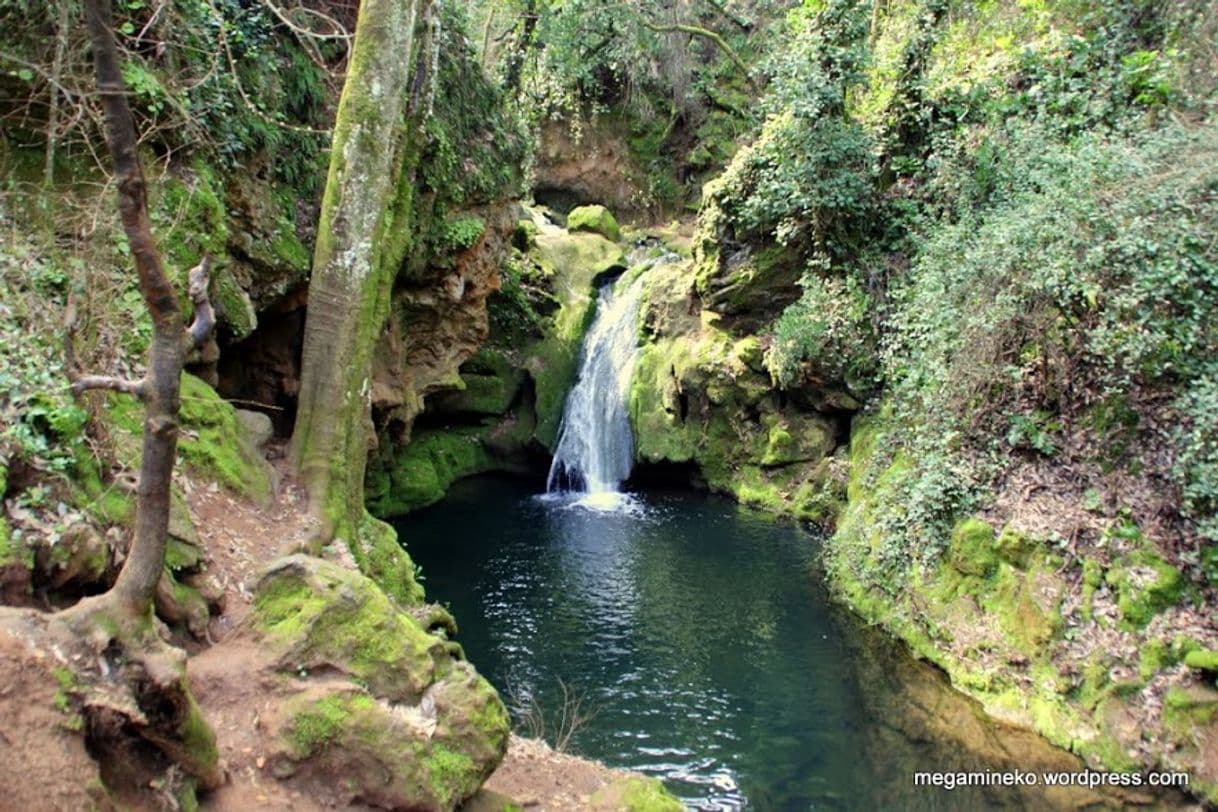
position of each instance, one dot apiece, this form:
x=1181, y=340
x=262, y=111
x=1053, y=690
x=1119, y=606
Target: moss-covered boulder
x=972, y=549
x=636, y=793
x=1145, y=585
x=421, y=472
x=317, y=615
x=595, y=219
x=391, y=717
x=701, y=395
x=212, y=443
x=1202, y=660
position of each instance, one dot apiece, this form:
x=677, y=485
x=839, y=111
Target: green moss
x=972, y=550
x=68, y=684
x=186, y=796
x=381, y=557
x=180, y=556
x=594, y=219
x=8, y=551
x=1152, y=658
x=1093, y=578
x=192, y=217
x=316, y=725
x=1026, y=606
x=233, y=307
x=325, y=615
x=570, y=264
x=1016, y=547
x=449, y=770
x=422, y=472
x=1190, y=707
x=211, y=442
x=637, y=793
x=199, y=741
x=1145, y=585
x=346, y=731
x=1202, y=659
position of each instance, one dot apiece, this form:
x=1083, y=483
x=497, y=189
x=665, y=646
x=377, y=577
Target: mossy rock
x=1145, y=585
x=1016, y=547
x=489, y=384
x=420, y=473
x=430, y=756
x=571, y=263
x=1191, y=705
x=409, y=728
x=1027, y=606
x=595, y=219
x=318, y=615
x=212, y=442
x=1202, y=660
x=79, y=556
x=636, y=793
x=972, y=550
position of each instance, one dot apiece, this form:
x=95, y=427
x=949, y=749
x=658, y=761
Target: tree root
x=128, y=685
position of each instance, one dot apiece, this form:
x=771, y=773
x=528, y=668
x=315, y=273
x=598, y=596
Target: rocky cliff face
x=702, y=396
x=499, y=409
x=704, y=407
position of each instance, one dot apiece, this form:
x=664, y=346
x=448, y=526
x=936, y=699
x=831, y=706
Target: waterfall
x=595, y=447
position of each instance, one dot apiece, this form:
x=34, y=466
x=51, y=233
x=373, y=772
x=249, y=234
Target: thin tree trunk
x=363, y=235
x=61, y=49
x=159, y=389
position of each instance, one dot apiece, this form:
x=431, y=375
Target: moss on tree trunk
x=363, y=235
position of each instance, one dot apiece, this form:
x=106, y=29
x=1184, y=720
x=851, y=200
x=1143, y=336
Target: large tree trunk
x=362, y=237
x=145, y=562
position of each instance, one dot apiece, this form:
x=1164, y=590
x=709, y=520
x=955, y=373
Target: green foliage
x=223, y=82
x=40, y=423
x=475, y=147
x=830, y=329
x=515, y=309
x=461, y=233
x=1034, y=431
x=1197, y=467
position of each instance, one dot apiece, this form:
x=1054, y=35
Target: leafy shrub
x=828, y=328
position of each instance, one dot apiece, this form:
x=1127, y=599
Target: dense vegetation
x=946, y=281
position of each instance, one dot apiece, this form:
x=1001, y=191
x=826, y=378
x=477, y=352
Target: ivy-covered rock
x=702, y=395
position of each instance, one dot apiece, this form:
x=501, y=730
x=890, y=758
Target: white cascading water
x=595, y=448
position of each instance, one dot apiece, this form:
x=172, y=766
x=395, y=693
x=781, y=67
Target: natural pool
x=701, y=637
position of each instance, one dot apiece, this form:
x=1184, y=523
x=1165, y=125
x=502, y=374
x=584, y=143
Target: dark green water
x=700, y=636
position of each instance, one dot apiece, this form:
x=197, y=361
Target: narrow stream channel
x=702, y=640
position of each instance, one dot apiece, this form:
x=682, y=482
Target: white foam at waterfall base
x=595, y=449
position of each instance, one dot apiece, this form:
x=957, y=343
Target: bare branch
x=337, y=32
x=86, y=383
x=707, y=34
x=205, y=317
